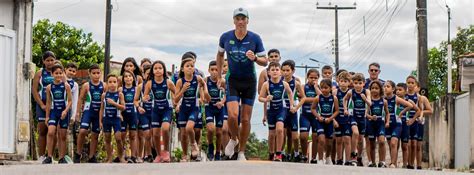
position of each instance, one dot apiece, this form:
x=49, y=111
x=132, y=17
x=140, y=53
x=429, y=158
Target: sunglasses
x=374, y=70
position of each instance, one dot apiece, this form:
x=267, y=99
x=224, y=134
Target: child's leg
x=211, y=130
x=108, y=146
x=132, y=136
x=280, y=136
x=412, y=152
x=50, y=138
x=80, y=140
x=191, y=136
x=347, y=147
x=42, y=137
x=314, y=145
x=218, y=140
x=329, y=147
x=62, y=141
x=394, y=150
x=304, y=143
x=226, y=134
x=165, y=130
x=94, y=139
x=184, y=142
x=295, y=140
x=339, y=144
x=371, y=150
x=272, y=141
x=355, y=140
x=141, y=143
x=120, y=142
x=321, y=146
x=147, y=147
x=382, y=152
x=288, y=140
x=197, y=135
x=419, y=152
x=405, y=153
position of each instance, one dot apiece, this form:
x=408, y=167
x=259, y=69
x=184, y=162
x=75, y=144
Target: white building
x=15, y=77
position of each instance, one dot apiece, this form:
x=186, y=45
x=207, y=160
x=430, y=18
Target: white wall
x=6, y=13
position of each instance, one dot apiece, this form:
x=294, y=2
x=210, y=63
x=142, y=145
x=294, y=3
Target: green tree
x=256, y=148
x=70, y=44
x=437, y=64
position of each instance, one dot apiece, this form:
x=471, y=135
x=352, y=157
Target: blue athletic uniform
x=111, y=116
x=326, y=110
x=307, y=120
x=90, y=116
x=189, y=109
x=343, y=120
x=130, y=119
x=358, y=117
x=405, y=129
x=376, y=128
x=58, y=105
x=45, y=79
x=395, y=128
x=162, y=109
x=414, y=128
x=144, y=120
x=241, y=77
x=291, y=120
x=275, y=110
x=214, y=114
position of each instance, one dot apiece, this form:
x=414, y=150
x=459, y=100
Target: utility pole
x=336, y=40
x=421, y=19
x=108, y=25
x=450, y=53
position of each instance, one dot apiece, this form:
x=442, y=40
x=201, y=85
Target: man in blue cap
x=243, y=48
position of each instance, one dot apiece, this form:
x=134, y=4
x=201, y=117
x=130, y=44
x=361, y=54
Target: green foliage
x=256, y=148
x=462, y=44
x=70, y=44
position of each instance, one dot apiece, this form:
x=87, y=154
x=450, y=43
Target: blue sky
x=164, y=29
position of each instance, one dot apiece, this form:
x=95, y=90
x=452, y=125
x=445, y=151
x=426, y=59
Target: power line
x=59, y=9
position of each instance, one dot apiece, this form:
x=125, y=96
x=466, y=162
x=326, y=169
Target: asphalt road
x=204, y=168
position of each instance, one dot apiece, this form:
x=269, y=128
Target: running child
x=71, y=69
x=425, y=109
x=272, y=92
x=144, y=109
x=397, y=107
x=110, y=118
x=412, y=120
x=58, y=104
x=130, y=120
x=162, y=89
x=307, y=121
x=291, y=120
x=343, y=132
x=42, y=79
x=214, y=113
x=378, y=118
x=187, y=92
x=327, y=106
x=405, y=129
x=360, y=97
x=90, y=95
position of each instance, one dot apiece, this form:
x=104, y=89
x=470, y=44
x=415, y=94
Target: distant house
x=16, y=72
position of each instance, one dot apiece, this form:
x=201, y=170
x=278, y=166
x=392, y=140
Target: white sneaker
x=229, y=148
x=328, y=161
x=320, y=162
x=241, y=157
x=41, y=159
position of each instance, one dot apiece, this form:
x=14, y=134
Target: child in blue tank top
x=130, y=119
x=58, y=104
x=113, y=103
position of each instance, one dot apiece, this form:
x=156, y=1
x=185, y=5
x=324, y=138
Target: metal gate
x=462, y=130
x=7, y=90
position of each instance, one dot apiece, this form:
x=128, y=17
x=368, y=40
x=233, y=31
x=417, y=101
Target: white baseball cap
x=241, y=11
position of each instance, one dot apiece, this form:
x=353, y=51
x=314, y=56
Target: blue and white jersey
x=326, y=105
x=111, y=111
x=190, y=97
x=239, y=65
x=58, y=96
x=392, y=108
x=93, y=98
x=276, y=90
x=129, y=95
x=340, y=97
x=359, y=103
x=310, y=92
x=215, y=92
x=377, y=109
x=45, y=79
x=413, y=98
x=161, y=94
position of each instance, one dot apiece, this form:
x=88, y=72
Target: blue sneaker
x=217, y=157
x=210, y=152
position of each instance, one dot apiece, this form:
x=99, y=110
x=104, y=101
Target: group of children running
x=143, y=101
x=341, y=115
